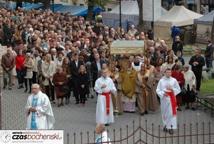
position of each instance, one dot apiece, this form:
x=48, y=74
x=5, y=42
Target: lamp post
x=120, y=14
x=53, y=5
x=212, y=32
x=153, y=14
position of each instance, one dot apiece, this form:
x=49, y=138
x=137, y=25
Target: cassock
x=43, y=118
x=104, y=109
x=168, y=101
x=128, y=85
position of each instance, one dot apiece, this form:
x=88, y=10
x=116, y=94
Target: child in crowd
x=83, y=83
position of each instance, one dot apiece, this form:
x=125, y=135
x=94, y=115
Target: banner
x=31, y=137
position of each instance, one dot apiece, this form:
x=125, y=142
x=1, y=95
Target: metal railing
x=207, y=105
x=142, y=132
x=145, y=133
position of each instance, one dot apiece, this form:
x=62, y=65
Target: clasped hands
x=168, y=89
x=103, y=86
x=32, y=109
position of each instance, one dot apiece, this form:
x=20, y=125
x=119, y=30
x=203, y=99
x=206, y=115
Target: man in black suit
x=209, y=55
x=197, y=62
x=96, y=67
x=75, y=64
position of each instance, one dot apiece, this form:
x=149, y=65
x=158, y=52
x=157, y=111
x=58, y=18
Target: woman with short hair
x=29, y=64
x=60, y=82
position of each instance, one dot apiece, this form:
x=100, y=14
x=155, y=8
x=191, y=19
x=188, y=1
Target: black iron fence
x=207, y=102
x=144, y=133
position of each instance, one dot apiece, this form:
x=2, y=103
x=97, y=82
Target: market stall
x=178, y=16
x=204, y=27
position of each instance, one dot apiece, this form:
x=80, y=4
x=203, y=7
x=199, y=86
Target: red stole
x=173, y=101
x=107, y=95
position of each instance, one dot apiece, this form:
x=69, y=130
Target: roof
x=206, y=19
x=25, y=5
x=29, y=6
x=73, y=10
x=179, y=16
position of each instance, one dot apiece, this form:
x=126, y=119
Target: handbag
x=65, y=89
x=183, y=91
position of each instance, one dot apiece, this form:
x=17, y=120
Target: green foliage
x=207, y=87
x=101, y=3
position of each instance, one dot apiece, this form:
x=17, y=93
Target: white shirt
x=167, y=82
x=98, y=65
x=110, y=87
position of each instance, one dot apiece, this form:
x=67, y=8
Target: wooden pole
x=212, y=32
x=120, y=12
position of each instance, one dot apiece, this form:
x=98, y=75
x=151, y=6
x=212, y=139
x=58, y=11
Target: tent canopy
x=128, y=8
x=97, y=9
x=127, y=47
x=206, y=19
x=178, y=16
x=130, y=15
x=30, y=6
x=25, y=5
x=73, y=10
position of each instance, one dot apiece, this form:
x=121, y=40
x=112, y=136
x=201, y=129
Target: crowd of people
x=66, y=53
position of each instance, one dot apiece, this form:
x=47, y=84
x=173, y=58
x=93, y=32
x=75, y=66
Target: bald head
x=35, y=85
x=35, y=88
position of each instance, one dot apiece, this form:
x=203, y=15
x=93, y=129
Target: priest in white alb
x=39, y=110
x=104, y=86
x=167, y=90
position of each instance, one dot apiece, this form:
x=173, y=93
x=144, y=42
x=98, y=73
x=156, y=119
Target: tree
x=101, y=3
x=140, y=5
x=92, y=3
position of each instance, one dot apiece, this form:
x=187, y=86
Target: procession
x=58, y=61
